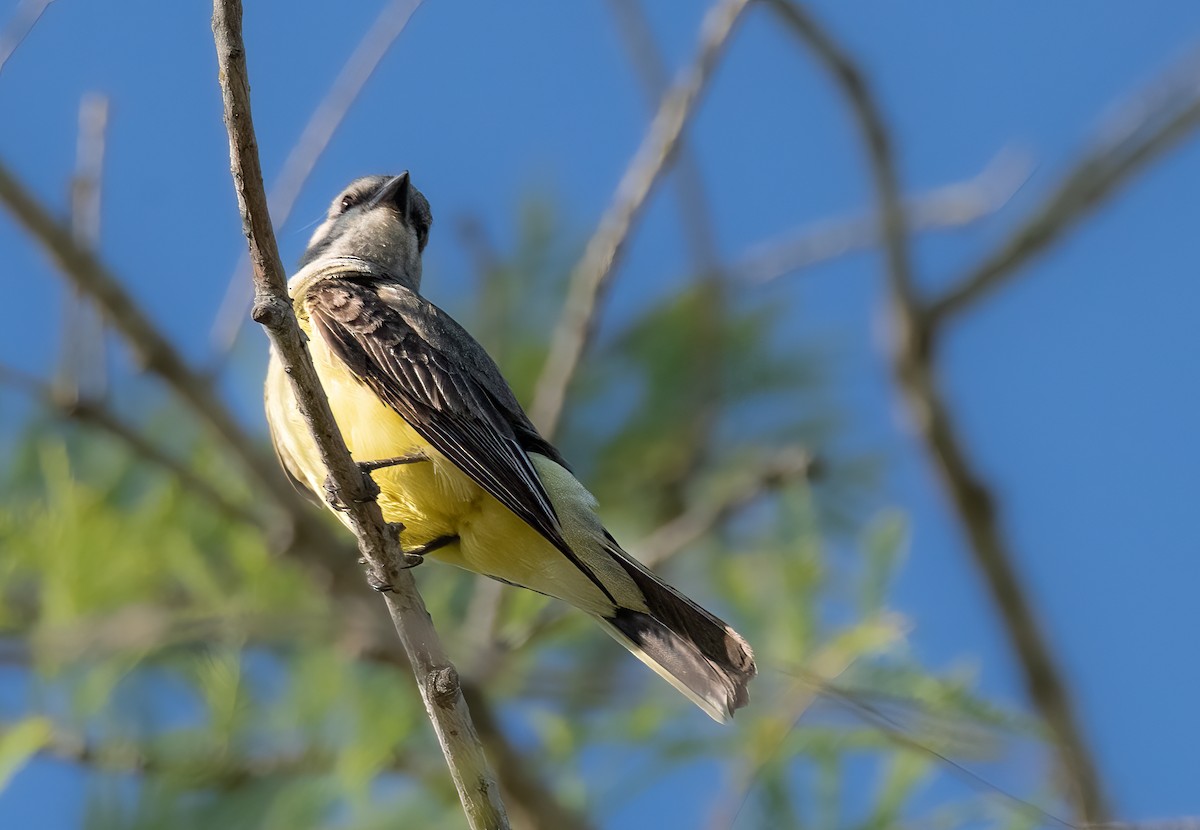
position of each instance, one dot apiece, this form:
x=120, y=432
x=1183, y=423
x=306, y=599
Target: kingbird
x=457, y=462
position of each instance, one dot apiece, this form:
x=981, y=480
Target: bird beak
x=395, y=190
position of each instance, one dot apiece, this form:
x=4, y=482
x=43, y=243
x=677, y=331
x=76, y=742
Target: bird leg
x=409, y=558
x=333, y=494
x=429, y=547
x=411, y=458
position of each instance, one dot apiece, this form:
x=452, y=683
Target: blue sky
x=1071, y=385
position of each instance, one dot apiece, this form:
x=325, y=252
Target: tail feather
x=690, y=648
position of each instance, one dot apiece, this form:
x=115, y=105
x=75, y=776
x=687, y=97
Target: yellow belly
x=430, y=498
x=435, y=499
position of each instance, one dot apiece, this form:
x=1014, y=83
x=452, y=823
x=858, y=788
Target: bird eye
x=348, y=201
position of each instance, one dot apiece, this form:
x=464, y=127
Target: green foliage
x=208, y=681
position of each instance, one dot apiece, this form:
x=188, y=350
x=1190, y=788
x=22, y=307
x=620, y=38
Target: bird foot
x=333, y=493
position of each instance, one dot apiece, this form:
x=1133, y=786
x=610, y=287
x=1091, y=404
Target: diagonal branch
x=590, y=277
x=298, y=166
x=155, y=352
x=869, y=119
x=787, y=466
x=200, y=765
x=87, y=411
x=29, y=12
x=949, y=206
x=82, y=369
x=1157, y=128
x=703, y=385
x=695, y=211
x=436, y=677
x=971, y=497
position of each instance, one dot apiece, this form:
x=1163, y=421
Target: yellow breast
x=431, y=499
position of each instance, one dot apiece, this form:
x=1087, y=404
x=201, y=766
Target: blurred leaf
x=883, y=543
x=19, y=742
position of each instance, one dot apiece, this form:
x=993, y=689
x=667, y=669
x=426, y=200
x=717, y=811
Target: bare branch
x=1167, y=117
x=436, y=677
x=82, y=369
x=590, y=277
x=869, y=118
x=93, y=413
x=949, y=206
x=201, y=766
x=298, y=166
x=973, y=501
x=155, y=352
x=28, y=13
x=670, y=539
x=695, y=211
x=699, y=231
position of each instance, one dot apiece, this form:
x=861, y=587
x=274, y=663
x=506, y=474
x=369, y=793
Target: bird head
x=382, y=219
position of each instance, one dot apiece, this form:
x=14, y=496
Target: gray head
x=382, y=219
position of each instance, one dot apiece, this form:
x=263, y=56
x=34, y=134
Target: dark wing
x=440, y=380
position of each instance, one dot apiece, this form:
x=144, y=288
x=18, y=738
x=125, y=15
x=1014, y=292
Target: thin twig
x=833, y=660
x=695, y=210
x=703, y=384
x=487, y=600
x=436, y=677
x=590, y=277
x=975, y=506
x=788, y=465
x=202, y=766
x=298, y=166
x=82, y=368
x=1168, y=120
x=878, y=719
x=94, y=413
x=157, y=354
x=869, y=119
x=950, y=206
x=28, y=13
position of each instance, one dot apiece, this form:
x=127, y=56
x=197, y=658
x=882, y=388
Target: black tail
x=690, y=648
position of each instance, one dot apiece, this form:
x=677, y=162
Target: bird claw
x=377, y=583
x=333, y=493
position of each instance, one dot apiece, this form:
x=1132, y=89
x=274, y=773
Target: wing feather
x=441, y=381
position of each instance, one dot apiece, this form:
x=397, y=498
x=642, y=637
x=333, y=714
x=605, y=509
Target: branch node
x=269, y=312
x=444, y=686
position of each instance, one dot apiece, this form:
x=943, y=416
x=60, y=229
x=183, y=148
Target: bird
x=426, y=412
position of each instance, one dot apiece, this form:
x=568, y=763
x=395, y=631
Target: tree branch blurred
x=93, y=413
x=691, y=196
x=82, y=366
x=589, y=280
x=28, y=13
x=157, y=354
x=915, y=328
x=1161, y=118
x=949, y=206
